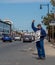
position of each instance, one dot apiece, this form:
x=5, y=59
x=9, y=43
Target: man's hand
x=33, y=21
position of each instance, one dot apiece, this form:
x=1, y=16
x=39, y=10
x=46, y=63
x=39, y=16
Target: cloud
x=22, y=1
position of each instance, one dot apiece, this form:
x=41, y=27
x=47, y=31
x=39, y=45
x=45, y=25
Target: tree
x=53, y=2
x=47, y=19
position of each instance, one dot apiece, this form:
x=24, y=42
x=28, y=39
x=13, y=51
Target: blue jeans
x=40, y=48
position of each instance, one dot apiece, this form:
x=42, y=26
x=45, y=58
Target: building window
x=1, y=25
x=5, y=28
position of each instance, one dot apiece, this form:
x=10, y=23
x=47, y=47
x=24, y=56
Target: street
x=19, y=53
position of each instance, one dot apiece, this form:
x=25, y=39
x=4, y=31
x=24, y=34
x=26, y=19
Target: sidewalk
x=49, y=49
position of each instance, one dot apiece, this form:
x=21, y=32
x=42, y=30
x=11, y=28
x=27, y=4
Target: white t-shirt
x=37, y=35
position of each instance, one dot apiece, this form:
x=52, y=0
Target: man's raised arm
x=33, y=27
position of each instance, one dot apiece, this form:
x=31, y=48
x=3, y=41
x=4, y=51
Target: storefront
x=52, y=31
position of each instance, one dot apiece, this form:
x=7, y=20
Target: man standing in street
x=40, y=34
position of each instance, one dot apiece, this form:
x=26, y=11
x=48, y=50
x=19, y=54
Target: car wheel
x=3, y=40
x=15, y=40
x=30, y=40
x=10, y=40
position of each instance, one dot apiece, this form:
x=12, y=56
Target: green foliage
x=53, y=2
x=48, y=19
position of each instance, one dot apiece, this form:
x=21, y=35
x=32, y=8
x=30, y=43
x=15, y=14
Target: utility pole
x=48, y=18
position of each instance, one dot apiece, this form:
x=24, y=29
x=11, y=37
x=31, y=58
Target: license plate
x=27, y=39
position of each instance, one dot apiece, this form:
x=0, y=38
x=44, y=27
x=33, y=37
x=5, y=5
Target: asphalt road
x=19, y=53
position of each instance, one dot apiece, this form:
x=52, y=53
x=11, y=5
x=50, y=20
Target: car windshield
x=6, y=35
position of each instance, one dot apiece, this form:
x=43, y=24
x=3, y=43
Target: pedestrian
x=40, y=34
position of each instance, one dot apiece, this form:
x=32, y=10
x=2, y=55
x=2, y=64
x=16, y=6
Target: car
x=17, y=38
x=27, y=38
x=6, y=37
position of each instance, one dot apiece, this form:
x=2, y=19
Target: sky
x=22, y=12
x=22, y=1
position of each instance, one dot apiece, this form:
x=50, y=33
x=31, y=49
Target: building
x=52, y=31
x=5, y=27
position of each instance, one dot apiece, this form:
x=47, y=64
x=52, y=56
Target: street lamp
x=48, y=15
x=44, y=5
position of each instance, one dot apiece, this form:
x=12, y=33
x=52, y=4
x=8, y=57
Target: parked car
x=6, y=37
x=27, y=38
x=17, y=38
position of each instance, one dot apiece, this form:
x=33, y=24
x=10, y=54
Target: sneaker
x=41, y=58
